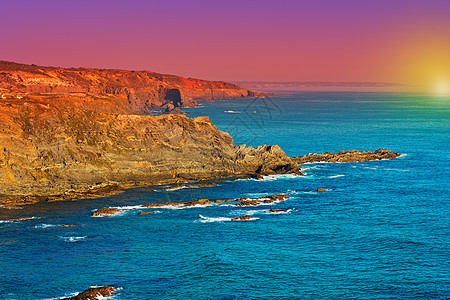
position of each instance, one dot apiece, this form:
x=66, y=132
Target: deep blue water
x=381, y=231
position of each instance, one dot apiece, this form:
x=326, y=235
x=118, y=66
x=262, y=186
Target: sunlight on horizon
x=442, y=88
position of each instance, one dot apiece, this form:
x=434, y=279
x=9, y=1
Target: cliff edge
x=50, y=152
x=110, y=90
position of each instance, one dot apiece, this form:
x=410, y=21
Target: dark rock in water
x=94, y=293
x=321, y=190
x=198, y=202
x=276, y=197
x=243, y=218
x=249, y=203
x=105, y=211
x=272, y=210
x=264, y=199
x=347, y=156
x=145, y=213
x=170, y=203
x=228, y=200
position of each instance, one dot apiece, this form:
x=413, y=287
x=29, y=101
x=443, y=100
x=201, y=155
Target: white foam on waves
x=336, y=176
x=72, y=239
x=212, y=220
x=279, y=177
x=45, y=226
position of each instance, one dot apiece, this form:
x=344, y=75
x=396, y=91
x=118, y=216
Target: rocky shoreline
x=347, y=156
x=82, y=133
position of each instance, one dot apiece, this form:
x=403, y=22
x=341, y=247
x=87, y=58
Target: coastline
x=84, y=133
x=111, y=188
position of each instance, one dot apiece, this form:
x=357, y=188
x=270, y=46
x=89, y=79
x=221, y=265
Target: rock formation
x=243, y=218
x=117, y=91
x=347, y=156
x=94, y=293
x=72, y=133
x=79, y=133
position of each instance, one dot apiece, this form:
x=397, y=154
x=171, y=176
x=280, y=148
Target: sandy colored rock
x=321, y=190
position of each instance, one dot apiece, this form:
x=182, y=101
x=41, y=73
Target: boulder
x=94, y=293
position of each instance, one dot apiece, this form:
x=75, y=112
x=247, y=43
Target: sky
x=401, y=41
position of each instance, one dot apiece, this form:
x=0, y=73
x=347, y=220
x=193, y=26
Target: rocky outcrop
x=347, y=156
x=275, y=210
x=116, y=91
x=263, y=200
x=107, y=211
x=243, y=218
x=94, y=293
x=81, y=133
x=50, y=152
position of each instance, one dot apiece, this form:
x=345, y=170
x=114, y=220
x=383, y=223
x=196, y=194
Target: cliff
x=75, y=133
x=51, y=152
x=116, y=91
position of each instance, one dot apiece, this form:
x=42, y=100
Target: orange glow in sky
x=404, y=41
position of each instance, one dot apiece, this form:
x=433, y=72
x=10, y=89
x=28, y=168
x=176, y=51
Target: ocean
x=379, y=231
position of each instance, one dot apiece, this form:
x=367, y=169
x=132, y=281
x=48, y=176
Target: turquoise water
x=381, y=231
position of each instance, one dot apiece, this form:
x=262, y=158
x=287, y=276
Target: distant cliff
x=117, y=91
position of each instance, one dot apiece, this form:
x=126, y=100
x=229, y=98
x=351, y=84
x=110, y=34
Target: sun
x=442, y=88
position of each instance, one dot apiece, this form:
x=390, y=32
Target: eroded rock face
x=347, y=156
x=117, y=91
x=51, y=153
x=94, y=293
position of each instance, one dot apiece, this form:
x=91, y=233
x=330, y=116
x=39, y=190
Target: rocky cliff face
x=116, y=91
x=55, y=152
x=73, y=133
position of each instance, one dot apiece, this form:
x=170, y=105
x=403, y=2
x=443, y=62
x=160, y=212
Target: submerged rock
x=170, y=203
x=94, y=293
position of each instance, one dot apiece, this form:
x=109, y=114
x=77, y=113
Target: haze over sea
x=380, y=231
